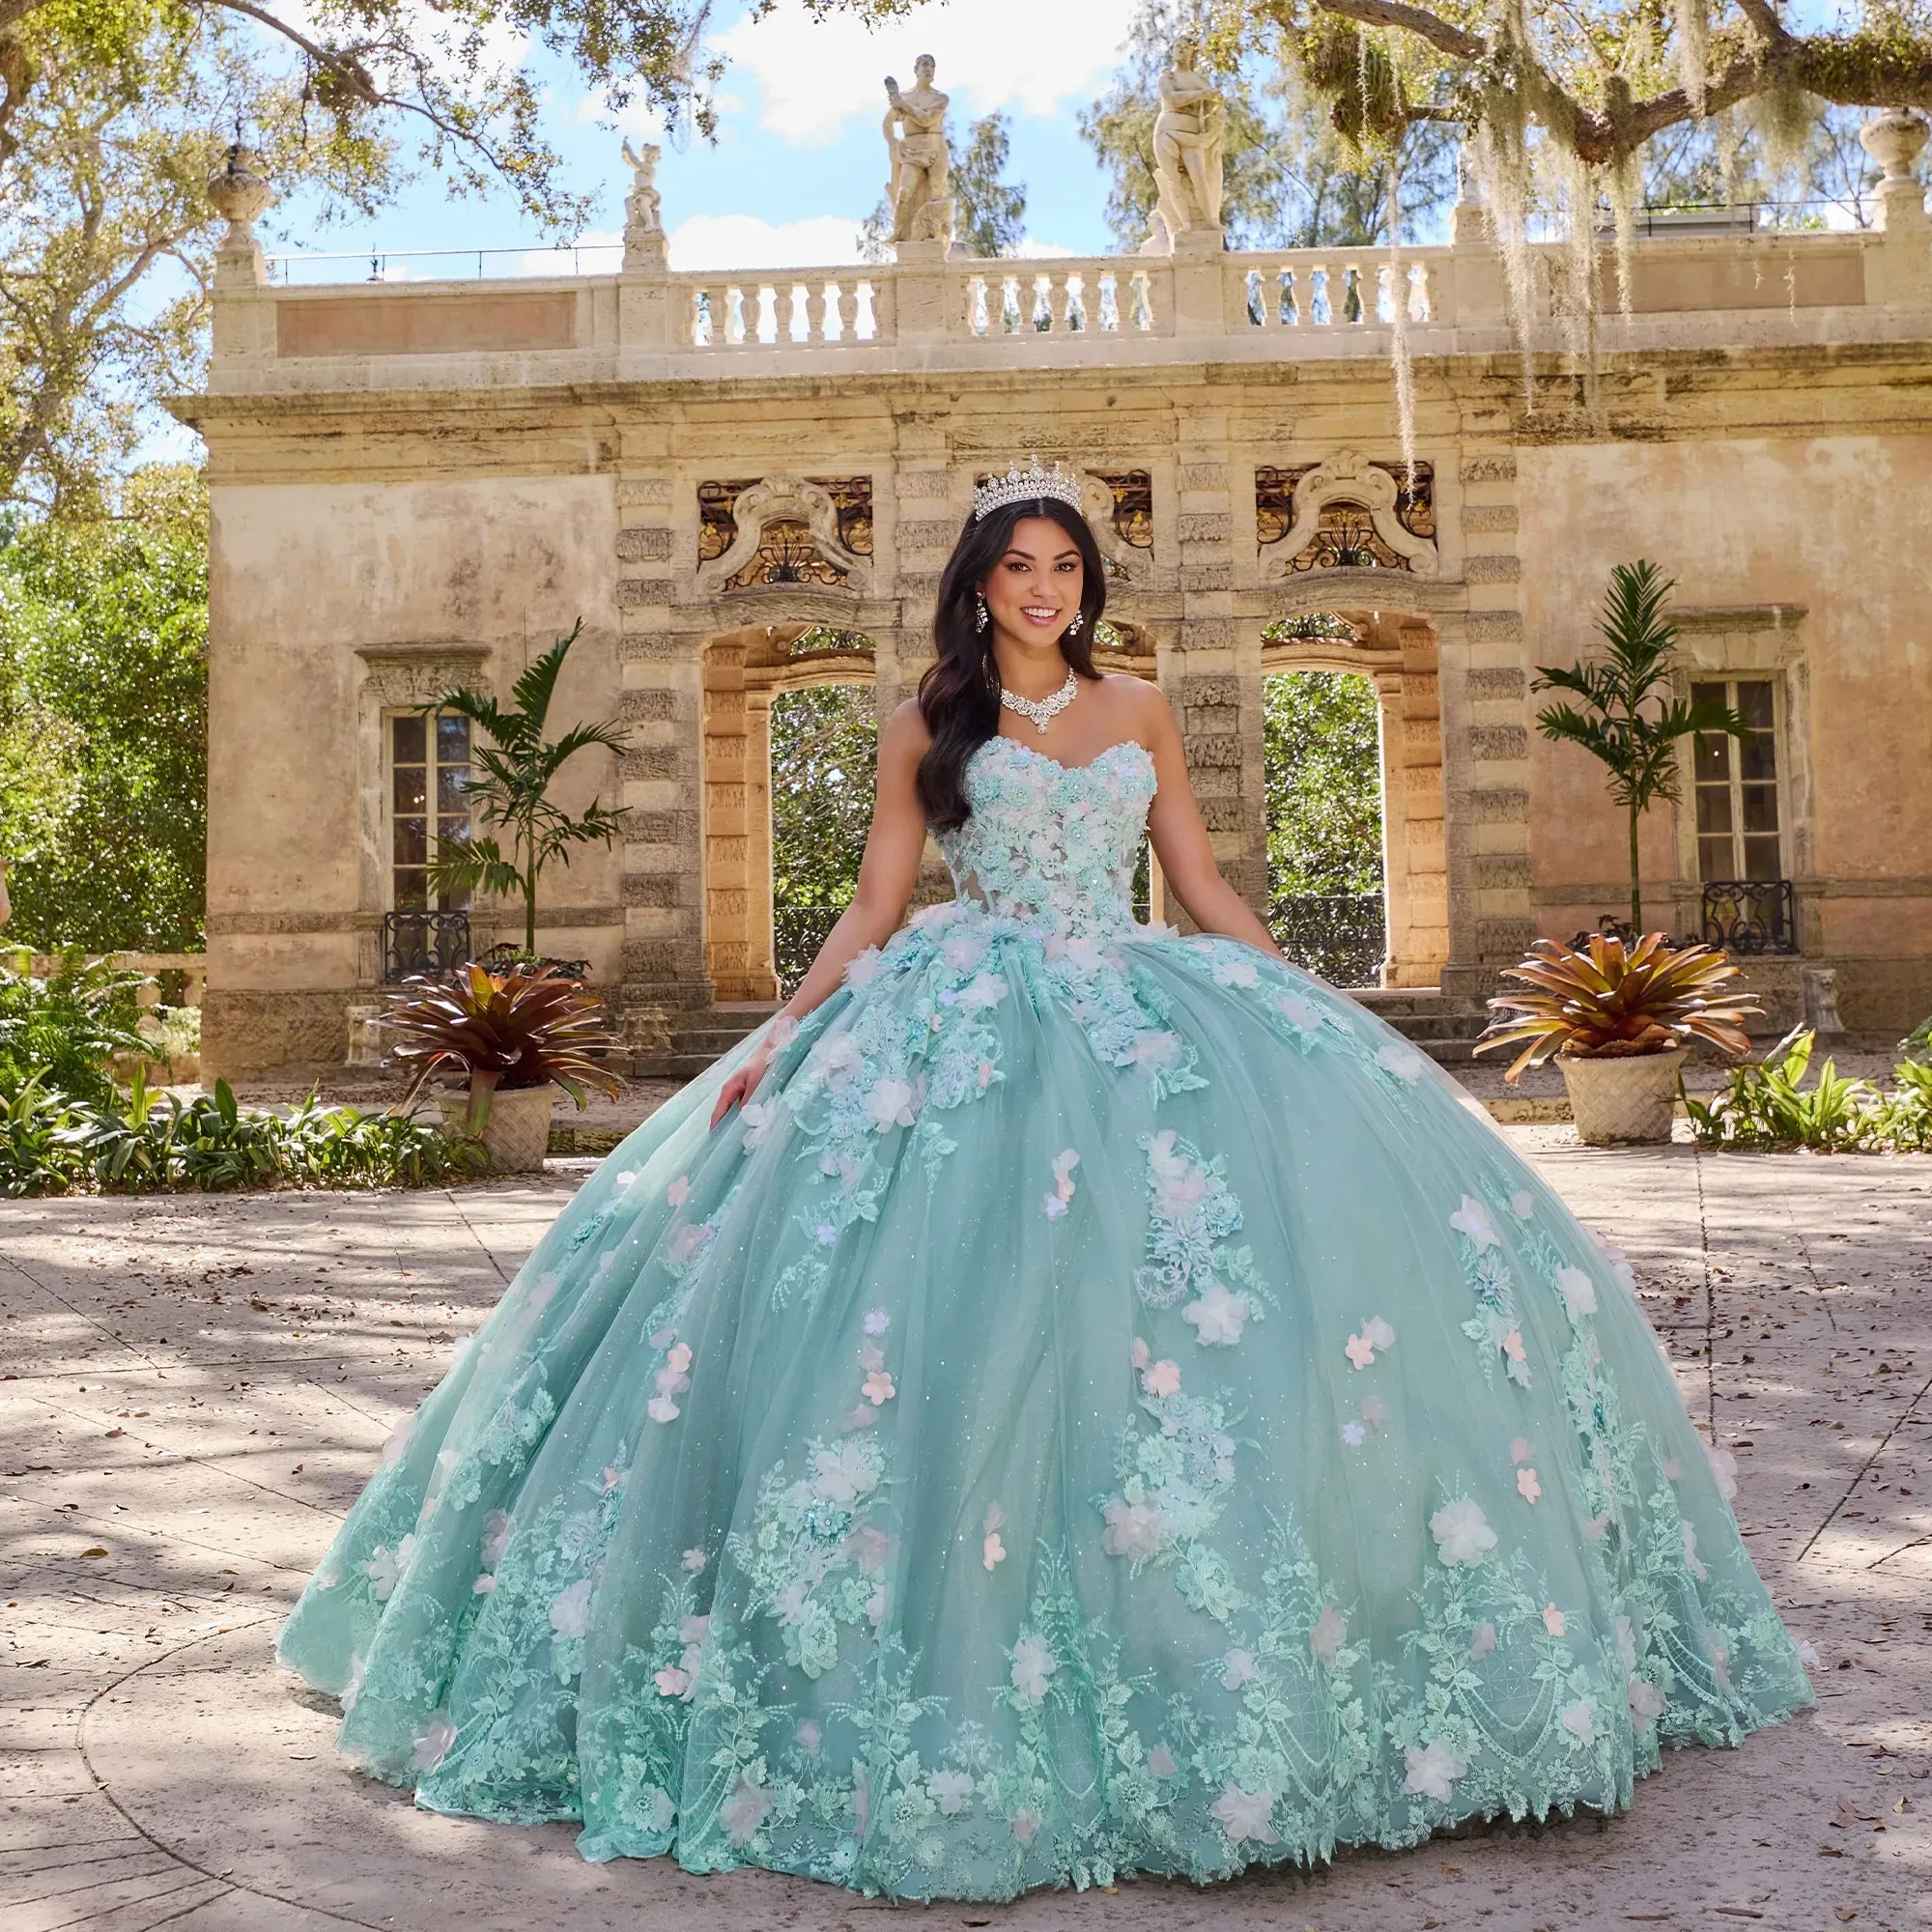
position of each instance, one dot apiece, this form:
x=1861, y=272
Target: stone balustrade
x=1761, y=288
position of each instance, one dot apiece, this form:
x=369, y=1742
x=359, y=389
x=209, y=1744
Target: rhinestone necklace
x=1042, y=710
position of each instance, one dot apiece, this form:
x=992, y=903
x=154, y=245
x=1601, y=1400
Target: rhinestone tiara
x=1025, y=486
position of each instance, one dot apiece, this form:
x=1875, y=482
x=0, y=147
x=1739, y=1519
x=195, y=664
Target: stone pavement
x=196, y=1389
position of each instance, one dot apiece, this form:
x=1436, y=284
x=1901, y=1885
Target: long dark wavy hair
x=959, y=695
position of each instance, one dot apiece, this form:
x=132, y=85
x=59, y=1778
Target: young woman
x=1061, y=1401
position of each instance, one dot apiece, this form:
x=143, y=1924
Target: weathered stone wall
x=368, y=544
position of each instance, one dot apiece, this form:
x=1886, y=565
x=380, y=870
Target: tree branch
x=1457, y=42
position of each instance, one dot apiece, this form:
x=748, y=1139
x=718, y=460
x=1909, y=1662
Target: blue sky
x=799, y=159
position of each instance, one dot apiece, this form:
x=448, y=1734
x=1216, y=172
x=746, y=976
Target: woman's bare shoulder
x=906, y=735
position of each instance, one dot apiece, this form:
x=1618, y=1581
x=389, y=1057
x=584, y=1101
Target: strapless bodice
x=1050, y=846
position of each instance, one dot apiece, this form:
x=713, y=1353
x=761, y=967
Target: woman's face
x=1033, y=591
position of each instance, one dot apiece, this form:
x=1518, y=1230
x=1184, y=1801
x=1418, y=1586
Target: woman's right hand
x=743, y=1083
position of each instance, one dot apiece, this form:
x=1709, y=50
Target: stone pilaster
x=932, y=490
x=1486, y=737
x=663, y=965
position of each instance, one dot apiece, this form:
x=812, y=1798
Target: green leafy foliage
x=103, y=721
x=142, y=1142
x=519, y=765
x=64, y=1032
x=1766, y=1107
x=1631, y=718
x=1917, y=1045
x=825, y=747
x=1321, y=746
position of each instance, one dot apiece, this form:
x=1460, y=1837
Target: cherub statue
x=642, y=210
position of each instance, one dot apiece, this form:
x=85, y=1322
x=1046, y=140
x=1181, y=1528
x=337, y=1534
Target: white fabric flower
x=1299, y=1012
x=1218, y=1316
x=570, y=1610
x=1138, y=1531
x=1461, y=1532
x=694, y=1559
x=1522, y=1204
x=1154, y=1048
x=1807, y=1655
x=1400, y=1060
x=397, y=1441
x=385, y=1566
x=759, y=1117
x=679, y=1191
x=358, y=1672
x=496, y=1537
x=1432, y=1770
x=1579, y=1292
x=1232, y=968
x=860, y=968
x=1330, y=1632
x=1179, y=1186
x=744, y=1812
x=1579, y=1719
x=843, y=1475
x=949, y=1790
x=1690, y=1557
x=1473, y=1218
x=981, y=991
x=1138, y=1353
x=1239, y=1670
x=890, y=1104
x=1723, y=1470
x=433, y=1743
x=1160, y=1762
x=1244, y=1814
x=1033, y=1664
x=1482, y=1639
x=662, y=1409
x=1646, y=1702
x=1354, y=1434
x=877, y=1321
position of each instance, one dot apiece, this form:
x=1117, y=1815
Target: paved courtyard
x=194, y=1390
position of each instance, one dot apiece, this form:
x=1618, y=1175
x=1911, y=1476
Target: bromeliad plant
x=1609, y=1000
x=510, y=790
x=501, y=1029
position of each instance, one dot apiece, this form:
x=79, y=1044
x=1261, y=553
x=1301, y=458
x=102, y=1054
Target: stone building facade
x=415, y=485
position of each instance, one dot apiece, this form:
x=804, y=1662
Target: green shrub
x=1766, y=1107
x=148, y=1143
x=1917, y=1045
x=65, y=1030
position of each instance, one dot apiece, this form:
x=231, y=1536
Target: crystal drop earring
x=1074, y=629
x=981, y=616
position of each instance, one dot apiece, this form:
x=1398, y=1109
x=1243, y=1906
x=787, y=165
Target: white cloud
x=751, y=242
x=814, y=77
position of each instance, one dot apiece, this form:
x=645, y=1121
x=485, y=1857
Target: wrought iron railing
x=1342, y=936
x=1750, y=915
x=798, y=931
x=423, y=943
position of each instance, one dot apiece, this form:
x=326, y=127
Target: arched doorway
x=744, y=671
x=1397, y=655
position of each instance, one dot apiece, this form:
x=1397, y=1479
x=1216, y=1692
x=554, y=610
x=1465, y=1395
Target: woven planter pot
x=517, y=1134
x=1622, y=1100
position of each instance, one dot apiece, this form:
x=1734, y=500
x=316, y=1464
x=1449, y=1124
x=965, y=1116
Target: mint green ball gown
x=1104, y=1408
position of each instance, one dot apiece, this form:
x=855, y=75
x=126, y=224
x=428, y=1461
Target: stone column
x=1485, y=740
x=663, y=965
x=927, y=513
x=1214, y=677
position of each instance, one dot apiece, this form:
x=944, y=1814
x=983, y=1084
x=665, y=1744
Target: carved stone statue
x=1190, y=137
x=644, y=216
x=920, y=189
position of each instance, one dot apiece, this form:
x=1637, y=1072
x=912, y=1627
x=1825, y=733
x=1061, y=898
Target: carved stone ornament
x=1894, y=139
x=239, y=195
x=644, y=241
x=789, y=499
x=1350, y=477
x=1100, y=503
x=403, y=674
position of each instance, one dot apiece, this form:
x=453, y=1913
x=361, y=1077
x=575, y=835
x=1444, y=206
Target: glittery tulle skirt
x=1103, y=1409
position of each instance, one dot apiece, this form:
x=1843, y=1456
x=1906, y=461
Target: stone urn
x=1620, y=1098
x=517, y=1134
x=1894, y=139
x=239, y=195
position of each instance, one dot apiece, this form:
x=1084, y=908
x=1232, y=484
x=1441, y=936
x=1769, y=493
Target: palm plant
x=511, y=792
x=1611, y=1001
x=1637, y=746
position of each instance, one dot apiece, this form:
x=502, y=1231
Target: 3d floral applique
x=1486, y=1268
x=1034, y=1664
x=672, y=1379
x=1404, y=1062
x=1430, y=1770
x=1522, y=1204
x=1723, y=1471
x=1461, y=1532
x=1376, y=1337
x=992, y=1552
x=1329, y=1633
x=949, y=1790
x=1578, y=1291
x=1472, y=1219
x=679, y=1191
x=693, y=1561
x=1553, y=1620
x=1527, y=1485
x=431, y=1745
x=1192, y=1212
x=1055, y=1205
x=1161, y=1379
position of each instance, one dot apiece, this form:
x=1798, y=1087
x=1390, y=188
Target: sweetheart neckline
x=1046, y=758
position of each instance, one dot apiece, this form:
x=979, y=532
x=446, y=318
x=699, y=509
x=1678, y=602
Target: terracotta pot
x=1622, y=1099
x=517, y=1133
